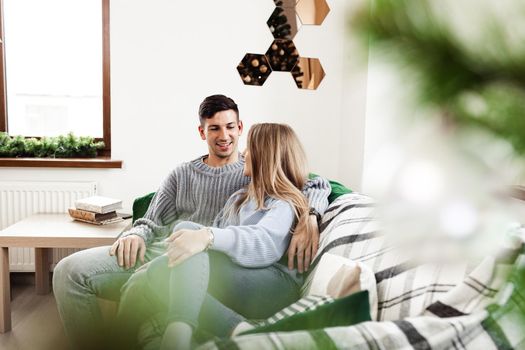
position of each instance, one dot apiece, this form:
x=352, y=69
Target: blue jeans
x=208, y=291
x=77, y=282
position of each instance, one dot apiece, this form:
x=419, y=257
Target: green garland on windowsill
x=68, y=146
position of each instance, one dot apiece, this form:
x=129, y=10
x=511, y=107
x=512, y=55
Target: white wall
x=167, y=55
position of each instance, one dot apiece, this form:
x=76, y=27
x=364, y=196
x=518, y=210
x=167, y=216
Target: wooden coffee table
x=44, y=232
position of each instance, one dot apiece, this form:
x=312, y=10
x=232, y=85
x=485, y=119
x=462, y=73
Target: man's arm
x=305, y=240
x=317, y=191
x=157, y=221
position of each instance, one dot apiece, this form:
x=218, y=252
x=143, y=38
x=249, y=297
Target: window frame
x=106, y=82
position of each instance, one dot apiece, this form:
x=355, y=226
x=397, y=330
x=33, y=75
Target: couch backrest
x=141, y=204
x=350, y=228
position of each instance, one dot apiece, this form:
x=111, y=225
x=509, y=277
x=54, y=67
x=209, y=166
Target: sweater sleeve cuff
x=141, y=231
x=223, y=240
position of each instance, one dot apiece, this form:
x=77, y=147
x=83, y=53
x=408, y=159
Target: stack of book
x=97, y=210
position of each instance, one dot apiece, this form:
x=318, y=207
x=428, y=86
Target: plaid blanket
x=424, y=306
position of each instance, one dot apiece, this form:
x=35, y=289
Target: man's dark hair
x=216, y=103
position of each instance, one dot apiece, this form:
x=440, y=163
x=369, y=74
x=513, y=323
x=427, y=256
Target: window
x=54, y=68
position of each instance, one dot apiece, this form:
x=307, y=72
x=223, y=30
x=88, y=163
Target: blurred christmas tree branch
x=475, y=82
x=480, y=86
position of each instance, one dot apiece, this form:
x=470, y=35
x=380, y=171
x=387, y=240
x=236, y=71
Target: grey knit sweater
x=197, y=192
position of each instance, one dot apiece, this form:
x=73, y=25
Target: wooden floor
x=35, y=320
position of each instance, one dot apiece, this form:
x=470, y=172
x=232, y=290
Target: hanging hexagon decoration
x=254, y=69
x=282, y=55
x=284, y=23
x=312, y=12
x=308, y=73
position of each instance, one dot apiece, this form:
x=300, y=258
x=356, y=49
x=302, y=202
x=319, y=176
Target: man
x=194, y=191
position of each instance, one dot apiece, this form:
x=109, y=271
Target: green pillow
x=140, y=205
x=347, y=311
x=338, y=189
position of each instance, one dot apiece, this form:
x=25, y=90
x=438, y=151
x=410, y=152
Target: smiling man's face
x=222, y=132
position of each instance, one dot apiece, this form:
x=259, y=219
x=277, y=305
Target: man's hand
x=184, y=244
x=127, y=249
x=304, y=243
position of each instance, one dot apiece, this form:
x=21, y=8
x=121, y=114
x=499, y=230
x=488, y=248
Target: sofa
x=419, y=305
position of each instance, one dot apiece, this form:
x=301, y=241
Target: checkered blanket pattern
x=350, y=229
x=420, y=306
x=307, y=303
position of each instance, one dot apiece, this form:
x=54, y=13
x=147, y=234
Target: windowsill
x=98, y=162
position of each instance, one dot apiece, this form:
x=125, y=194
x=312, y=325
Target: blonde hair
x=278, y=169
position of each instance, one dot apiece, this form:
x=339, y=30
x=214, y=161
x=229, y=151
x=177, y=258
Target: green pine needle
x=63, y=146
x=445, y=70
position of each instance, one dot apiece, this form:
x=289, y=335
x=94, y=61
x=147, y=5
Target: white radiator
x=21, y=199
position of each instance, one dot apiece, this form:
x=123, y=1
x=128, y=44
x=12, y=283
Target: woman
x=214, y=278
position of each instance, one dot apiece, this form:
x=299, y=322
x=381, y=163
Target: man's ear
x=241, y=127
x=201, y=132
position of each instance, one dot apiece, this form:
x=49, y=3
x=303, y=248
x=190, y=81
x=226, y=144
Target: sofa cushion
x=140, y=206
x=405, y=288
x=471, y=316
x=337, y=274
x=303, y=314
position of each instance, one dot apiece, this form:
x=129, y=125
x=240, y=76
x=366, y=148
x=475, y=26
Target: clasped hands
x=185, y=243
x=180, y=246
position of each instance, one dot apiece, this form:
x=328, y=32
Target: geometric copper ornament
x=254, y=69
x=282, y=55
x=285, y=3
x=284, y=23
x=308, y=73
x=312, y=12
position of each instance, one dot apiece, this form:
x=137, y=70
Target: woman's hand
x=304, y=243
x=184, y=244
